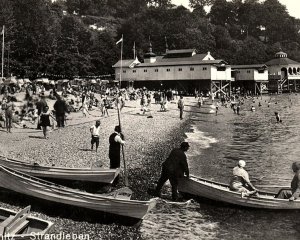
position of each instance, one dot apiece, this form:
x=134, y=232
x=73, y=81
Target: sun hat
x=242, y=163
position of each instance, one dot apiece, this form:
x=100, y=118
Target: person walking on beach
x=9, y=109
x=60, y=108
x=181, y=107
x=173, y=168
x=95, y=131
x=115, y=141
x=45, y=120
x=40, y=105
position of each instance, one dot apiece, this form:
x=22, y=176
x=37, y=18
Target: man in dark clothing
x=115, y=141
x=40, y=105
x=293, y=193
x=173, y=168
x=60, y=108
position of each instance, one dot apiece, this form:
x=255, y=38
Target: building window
x=248, y=71
x=180, y=69
x=205, y=68
x=168, y=69
x=124, y=71
x=191, y=69
x=261, y=71
x=221, y=68
x=134, y=71
x=145, y=70
x=156, y=70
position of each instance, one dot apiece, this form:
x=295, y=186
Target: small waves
x=177, y=221
x=198, y=140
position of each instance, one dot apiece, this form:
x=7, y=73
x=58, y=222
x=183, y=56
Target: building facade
x=251, y=79
x=284, y=73
x=184, y=70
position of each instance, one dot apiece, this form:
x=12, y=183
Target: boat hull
x=37, y=228
x=97, y=175
x=221, y=193
x=34, y=187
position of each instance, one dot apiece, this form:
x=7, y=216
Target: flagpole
x=2, y=51
x=121, y=61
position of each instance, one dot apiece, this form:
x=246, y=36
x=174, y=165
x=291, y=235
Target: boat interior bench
x=14, y=224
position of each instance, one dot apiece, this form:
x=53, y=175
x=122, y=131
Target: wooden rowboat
x=221, y=193
x=118, y=203
x=99, y=175
x=20, y=225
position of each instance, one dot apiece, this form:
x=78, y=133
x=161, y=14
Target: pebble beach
x=148, y=143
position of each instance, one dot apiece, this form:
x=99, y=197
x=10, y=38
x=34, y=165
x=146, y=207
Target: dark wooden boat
x=221, y=193
x=20, y=225
x=98, y=175
x=117, y=203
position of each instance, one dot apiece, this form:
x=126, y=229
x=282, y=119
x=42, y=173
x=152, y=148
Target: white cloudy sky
x=291, y=6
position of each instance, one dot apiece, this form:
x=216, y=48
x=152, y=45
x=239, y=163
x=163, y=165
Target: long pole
x=123, y=152
x=121, y=61
x=2, y=51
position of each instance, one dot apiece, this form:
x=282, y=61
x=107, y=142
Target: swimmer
x=259, y=104
x=253, y=109
x=278, y=117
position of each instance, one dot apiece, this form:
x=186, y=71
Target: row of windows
x=168, y=70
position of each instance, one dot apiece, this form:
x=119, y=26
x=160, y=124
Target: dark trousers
x=165, y=175
x=181, y=112
x=60, y=119
x=95, y=139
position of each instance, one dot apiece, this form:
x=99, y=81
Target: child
x=95, y=131
x=45, y=120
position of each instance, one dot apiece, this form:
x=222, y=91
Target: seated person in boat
x=240, y=181
x=293, y=193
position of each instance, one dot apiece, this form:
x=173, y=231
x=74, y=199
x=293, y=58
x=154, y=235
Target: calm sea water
x=218, y=142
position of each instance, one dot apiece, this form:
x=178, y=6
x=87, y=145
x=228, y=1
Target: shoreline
x=148, y=143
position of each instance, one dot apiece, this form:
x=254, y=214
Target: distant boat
x=98, y=175
x=221, y=193
x=117, y=203
x=20, y=225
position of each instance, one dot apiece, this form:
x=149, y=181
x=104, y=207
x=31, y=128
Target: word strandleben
x=52, y=236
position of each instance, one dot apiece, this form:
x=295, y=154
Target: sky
x=292, y=6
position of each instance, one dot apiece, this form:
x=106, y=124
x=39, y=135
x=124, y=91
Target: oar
x=123, y=153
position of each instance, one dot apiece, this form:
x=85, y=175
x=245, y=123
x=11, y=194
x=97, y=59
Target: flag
x=121, y=40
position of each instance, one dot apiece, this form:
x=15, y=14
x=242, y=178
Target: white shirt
x=95, y=130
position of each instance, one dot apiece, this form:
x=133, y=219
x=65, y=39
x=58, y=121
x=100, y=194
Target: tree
x=200, y=3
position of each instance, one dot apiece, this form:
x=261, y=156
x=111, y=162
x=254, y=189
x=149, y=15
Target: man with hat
x=95, y=131
x=173, y=168
x=115, y=141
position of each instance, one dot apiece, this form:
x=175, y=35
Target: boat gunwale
x=59, y=188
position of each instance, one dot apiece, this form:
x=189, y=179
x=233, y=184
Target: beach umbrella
x=65, y=80
x=45, y=80
x=13, y=80
x=52, y=82
x=93, y=81
x=20, y=81
x=39, y=80
x=26, y=80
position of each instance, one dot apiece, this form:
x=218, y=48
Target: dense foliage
x=68, y=38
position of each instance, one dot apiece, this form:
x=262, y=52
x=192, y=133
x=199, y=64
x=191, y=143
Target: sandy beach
x=148, y=142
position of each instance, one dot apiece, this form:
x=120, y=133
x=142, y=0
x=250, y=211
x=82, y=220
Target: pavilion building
x=284, y=73
x=183, y=69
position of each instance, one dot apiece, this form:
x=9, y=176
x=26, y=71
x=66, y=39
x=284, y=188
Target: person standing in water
x=278, y=118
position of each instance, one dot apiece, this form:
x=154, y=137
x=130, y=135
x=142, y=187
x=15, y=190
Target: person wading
x=173, y=168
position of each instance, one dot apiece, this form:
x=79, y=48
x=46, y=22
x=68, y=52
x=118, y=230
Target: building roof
x=281, y=61
x=180, y=53
x=250, y=66
x=125, y=63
